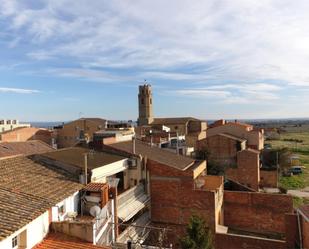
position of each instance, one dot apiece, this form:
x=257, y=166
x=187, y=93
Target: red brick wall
x=305, y=233
x=173, y=199
x=291, y=232
x=256, y=212
x=222, y=150
x=247, y=171
x=229, y=241
x=269, y=178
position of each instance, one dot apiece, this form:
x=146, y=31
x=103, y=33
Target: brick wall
x=269, y=178
x=173, y=199
x=231, y=241
x=305, y=233
x=247, y=171
x=222, y=150
x=257, y=212
x=291, y=232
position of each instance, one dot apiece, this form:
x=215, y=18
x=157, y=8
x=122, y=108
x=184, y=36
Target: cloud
x=231, y=51
x=234, y=93
x=17, y=90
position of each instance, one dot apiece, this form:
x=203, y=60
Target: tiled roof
x=17, y=209
x=62, y=241
x=240, y=124
x=231, y=137
x=24, y=175
x=23, y=148
x=75, y=156
x=30, y=183
x=155, y=154
x=169, y=121
x=98, y=121
x=94, y=186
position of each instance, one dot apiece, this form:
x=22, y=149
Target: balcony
x=86, y=227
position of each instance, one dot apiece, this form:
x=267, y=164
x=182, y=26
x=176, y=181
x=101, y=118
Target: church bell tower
x=145, y=114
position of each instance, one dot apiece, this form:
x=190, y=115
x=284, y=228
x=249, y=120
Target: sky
x=64, y=59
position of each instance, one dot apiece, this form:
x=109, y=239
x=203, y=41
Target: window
x=14, y=242
x=150, y=100
x=61, y=209
x=176, y=127
x=142, y=101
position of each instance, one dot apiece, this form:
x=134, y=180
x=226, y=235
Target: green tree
x=198, y=235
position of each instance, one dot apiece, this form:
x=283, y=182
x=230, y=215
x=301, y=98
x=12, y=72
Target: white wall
x=35, y=230
x=38, y=228
x=100, y=174
x=71, y=205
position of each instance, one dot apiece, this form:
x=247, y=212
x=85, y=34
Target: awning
x=131, y=202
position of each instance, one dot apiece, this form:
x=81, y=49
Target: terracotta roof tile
x=75, y=157
x=23, y=148
x=94, y=186
x=177, y=120
x=155, y=154
x=62, y=241
x=17, y=209
x=27, y=186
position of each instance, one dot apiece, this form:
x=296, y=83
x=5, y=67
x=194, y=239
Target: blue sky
x=61, y=59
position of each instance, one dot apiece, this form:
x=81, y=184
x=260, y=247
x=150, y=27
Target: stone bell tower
x=145, y=114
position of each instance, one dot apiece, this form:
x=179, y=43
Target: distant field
x=298, y=148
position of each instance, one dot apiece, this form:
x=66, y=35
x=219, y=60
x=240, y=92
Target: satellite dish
x=95, y=211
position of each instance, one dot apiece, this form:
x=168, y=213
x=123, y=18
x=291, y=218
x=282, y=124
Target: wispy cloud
x=17, y=90
x=247, y=52
x=234, y=93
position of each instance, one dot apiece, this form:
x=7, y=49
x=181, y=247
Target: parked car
x=295, y=170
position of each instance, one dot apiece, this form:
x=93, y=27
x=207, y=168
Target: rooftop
x=155, y=154
x=75, y=156
x=94, y=186
x=17, y=209
x=232, y=137
x=23, y=148
x=62, y=241
x=177, y=120
x=25, y=186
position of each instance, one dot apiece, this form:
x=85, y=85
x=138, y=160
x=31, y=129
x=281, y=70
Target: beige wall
x=25, y=134
x=69, y=134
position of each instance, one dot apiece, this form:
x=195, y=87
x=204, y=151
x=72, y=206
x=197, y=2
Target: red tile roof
x=62, y=241
x=28, y=189
x=170, y=121
x=155, y=154
x=94, y=186
x=23, y=148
